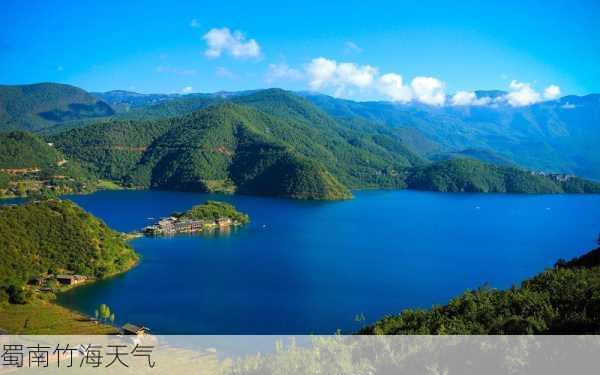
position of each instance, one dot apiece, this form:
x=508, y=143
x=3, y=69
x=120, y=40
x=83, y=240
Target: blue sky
x=368, y=50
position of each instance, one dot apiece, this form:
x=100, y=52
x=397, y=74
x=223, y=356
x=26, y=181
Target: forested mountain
x=268, y=142
x=125, y=101
x=24, y=150
x=555, y=136
x=29, y=165
x=228, y=147
x=274, y=142
x=241, y=141
x=56, y=236
x=561, y=300
x=40, y=106
x=469, y=175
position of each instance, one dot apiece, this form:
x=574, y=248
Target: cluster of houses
x=174, y=225
x=42, y=281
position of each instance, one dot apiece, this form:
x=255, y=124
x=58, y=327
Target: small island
x=205, y=217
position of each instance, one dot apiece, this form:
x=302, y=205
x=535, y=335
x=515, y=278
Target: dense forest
x=469, y=175
x=559, y=135
x=272, y=142
x=213, y=210
x=266, y=142
x=43, y=105
x=561, y=300
x=31, y=166
x=24, y=150
x=56, y=236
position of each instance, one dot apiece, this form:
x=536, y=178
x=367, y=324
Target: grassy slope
x=41, y=317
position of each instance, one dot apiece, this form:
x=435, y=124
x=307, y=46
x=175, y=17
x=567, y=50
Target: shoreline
x=82, y=322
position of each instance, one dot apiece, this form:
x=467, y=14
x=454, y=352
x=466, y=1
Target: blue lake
x=311, y=267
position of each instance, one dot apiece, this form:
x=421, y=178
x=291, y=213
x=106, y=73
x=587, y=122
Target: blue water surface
x=311, y=267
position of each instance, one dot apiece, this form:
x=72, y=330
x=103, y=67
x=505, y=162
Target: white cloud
x=222, y=40
x=345, y=77
x=568, y=106
x=428, y=90
x=326, y=73
x=187, y=89
x=469, y=98
x=194, y=23
x=351, y=47
x=321, y=71
x=522, y=94
x=552, y=92
x=283, y=72
x=223, y=72
x=391, y=86
x=360, y=76
x=348, y=79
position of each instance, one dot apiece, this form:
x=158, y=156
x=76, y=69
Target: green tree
x=104, y=312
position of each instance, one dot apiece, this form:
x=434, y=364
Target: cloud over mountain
x=234, y=43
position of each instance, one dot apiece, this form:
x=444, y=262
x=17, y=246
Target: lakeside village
x=210, y=216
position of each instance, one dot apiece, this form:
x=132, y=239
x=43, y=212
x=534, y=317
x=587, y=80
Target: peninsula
x=205, y=217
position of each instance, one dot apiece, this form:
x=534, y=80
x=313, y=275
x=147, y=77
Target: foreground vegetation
x=561, y=300
x=53, y=237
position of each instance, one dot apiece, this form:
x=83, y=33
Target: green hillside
x=23, y=150
x=60, y=237
x=270, y=142
x=30, y=166
x=559, y=136
x=214, y=210
x=111, y=148
x=469, y=175
x=43, y=105
x=223, y=148
x=273, y=142
x=561, y=300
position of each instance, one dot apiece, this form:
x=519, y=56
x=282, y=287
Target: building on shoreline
x=174, y=225
x=70, y=279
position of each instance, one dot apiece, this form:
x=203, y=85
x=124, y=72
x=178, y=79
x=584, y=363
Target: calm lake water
x=311, y=267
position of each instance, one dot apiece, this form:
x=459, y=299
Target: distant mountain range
x=40, y=106
x=559, y=136
x=304, y=145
